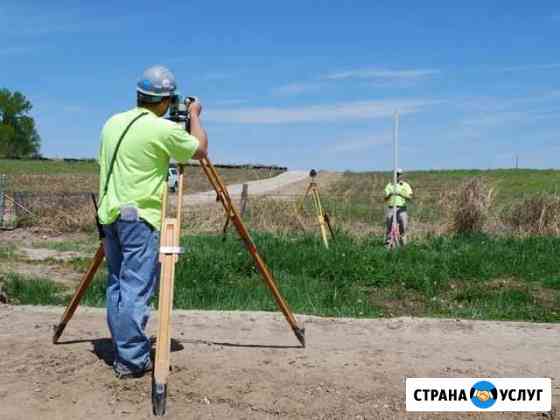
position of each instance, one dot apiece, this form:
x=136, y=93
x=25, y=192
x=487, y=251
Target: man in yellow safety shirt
x=136, y=147
x=397, y=197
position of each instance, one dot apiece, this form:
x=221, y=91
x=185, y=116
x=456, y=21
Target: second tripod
x=322, y=216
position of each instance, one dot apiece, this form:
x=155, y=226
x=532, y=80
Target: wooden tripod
x=169, y=252
x=322, y=216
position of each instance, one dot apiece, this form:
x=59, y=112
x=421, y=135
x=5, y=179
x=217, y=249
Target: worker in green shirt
x=396, y=196
x=136, y=147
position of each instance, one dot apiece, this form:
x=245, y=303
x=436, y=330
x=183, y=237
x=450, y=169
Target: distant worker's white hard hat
x=400, y=171
x=156, y=83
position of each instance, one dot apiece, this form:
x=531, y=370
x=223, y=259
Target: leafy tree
x=18, y=136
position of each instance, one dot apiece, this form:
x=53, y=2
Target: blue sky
x=303, y=84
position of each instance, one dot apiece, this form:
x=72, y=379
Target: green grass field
x=498, y=275
x=471, y=277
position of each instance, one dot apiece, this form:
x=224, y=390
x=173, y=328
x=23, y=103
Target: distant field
x=509, y=183
x=354, y=200
x=46, y=167
x=72, y=177
x=362, y=192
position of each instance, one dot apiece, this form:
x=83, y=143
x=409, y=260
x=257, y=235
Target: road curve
x=259, y=187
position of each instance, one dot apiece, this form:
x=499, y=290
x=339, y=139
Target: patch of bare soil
x=37, y=262
x=247, y=365
x=55, y=272
x=26, y=236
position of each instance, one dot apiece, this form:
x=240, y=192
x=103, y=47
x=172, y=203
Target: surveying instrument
x=169, y=253
x=395, y=239
x=322, y=216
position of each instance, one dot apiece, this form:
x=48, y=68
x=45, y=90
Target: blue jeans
x=132, y=251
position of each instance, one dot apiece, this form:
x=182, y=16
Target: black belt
x=398, y=207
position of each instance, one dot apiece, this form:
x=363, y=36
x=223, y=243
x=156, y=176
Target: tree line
x=18, y=134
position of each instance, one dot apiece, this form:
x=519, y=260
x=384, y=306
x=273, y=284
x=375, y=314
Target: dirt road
x=260, y=187
x=290, y=183
x=241, y=365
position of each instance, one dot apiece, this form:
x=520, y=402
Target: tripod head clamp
x=313, y=173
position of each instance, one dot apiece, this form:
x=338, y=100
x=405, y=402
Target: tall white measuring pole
x=395, y=166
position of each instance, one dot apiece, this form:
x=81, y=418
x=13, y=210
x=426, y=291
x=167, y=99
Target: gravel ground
x=248, y=365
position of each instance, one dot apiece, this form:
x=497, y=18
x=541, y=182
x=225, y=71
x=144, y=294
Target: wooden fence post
x=244, y=197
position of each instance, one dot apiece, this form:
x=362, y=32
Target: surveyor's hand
x=195, y=108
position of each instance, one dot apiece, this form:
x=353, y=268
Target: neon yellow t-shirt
x=142, y=163
x=403, y=188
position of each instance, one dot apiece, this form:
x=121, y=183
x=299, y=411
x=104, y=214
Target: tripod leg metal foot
x=58, y=329
x=159, y=398
x=300, y=334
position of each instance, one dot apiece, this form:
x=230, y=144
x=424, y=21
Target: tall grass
x=535, y=215
x=467, y=207
x=31, y=291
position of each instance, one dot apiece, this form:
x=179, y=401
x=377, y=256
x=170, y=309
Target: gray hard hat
x=156, y=83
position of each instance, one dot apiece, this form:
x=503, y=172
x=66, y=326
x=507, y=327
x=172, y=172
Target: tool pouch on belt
x=129, y=213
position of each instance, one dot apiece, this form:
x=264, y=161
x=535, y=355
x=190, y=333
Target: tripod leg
x=319, y=210
x=163, y=343
x=224, y=229
x=299, y=208
x=79, y=293
x=394, y=236
x=221, y=190
x=328, y=220
x=169, y=253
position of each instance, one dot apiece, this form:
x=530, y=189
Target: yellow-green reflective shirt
x=142, y=163
x=403, y=188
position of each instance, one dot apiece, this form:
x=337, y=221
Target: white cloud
x=356, y=144
x=339, y=112
x=383, y=74
x=228, y=102
x=495, y=118
x=531, y=67
x=295, y=88
x=216, y=76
